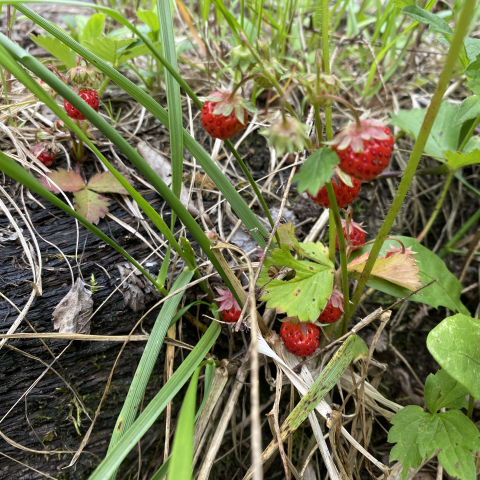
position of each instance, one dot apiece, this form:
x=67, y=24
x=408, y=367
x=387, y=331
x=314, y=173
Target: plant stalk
x=452, y=56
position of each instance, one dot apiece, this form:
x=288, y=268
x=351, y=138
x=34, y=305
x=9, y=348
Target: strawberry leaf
x=316, y=170
x=456, y=160
x=303, y=296
x=105, y=183
x=108, y=49
x=443, y=391
x=399, y=269
x=91, y=205
x=66, y=180
x=57, y=48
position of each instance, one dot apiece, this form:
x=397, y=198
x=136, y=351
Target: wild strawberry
x=228, y=306
x=318, y=87
x=357, y=234
x=301, y=339
x=223, y=116
x=394, y=250
x=287, y=136
x=90, y=96
x=273, y=68
x=333, y=309
x=344, y=194
x=86, y=76
x=364, y=151
x=45, y=152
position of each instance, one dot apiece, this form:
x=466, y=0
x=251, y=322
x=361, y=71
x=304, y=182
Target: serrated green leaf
x=316, y=252
x=57, y=49
x=443, y=391
x=91, y=205
x=455, y=345
x=93, y=28
x=106, y=183
x=458, y=160
x=316, y=170
x=435, y=22
x=305, y=295
x=444, y=134
x=473, y=67
x=469, y=108
x=108, y=49
x=136, y=51
x=445, y=292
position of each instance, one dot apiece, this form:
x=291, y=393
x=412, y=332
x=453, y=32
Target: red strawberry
x=344, y=194
x=364, y=152
x=333, y=309
x=228, y=306
x=357, y=234
x=223, y=116
x=394, y=250
x=301, y=339
x=90, y=96
x=45, y=152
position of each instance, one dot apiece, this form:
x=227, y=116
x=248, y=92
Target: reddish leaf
x=399, y=269
x=91, y=205
x=105, y=183
x=67, y=181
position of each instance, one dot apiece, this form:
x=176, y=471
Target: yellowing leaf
x=399, y=269
x=91, y=205
x=66, y=180
x=106, y=183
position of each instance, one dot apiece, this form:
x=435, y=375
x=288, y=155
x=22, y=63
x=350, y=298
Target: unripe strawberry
x=301, y=339
x=273, y=68
x=85, y=76
x=364, y=151
x=318, y=87
x=356, y=234
x=287, y=136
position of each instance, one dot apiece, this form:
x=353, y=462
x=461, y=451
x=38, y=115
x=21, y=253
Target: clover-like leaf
x=316, y=170
x=91, y=205
x=66, y=180
x=399, y=269
x=303, y=296
x=106, y=183
x=443, y=391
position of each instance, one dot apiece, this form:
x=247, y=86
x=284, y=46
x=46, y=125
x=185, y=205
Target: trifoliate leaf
x=66, y=180
x=91, y=205
x=456, y=160
x=443, y=391
x=57, y=49
x=306, y=294
x=400, y=269
x=316, y=170
x=106, y=183
x=418, y=435
x=108, y=49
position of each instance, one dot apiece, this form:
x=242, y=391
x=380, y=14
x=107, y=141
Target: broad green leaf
x=472, y=47
x=469, y=108
x=150, y=18
x=458, y=160
x=93, y=28
x=157, y=405
x=305, y=295
x=443, y=293
x=66, y=180
x=108, y=49
x=435, y=22
x=473, y=68
x=57, y=49
x=316, y=252
x=418, y=435
x=443, y=391
x=136, y=51
x=106, y=183
x=91, y=205
x=181, y=459
x=444, y=134
x=316, y=170
x=455, y=345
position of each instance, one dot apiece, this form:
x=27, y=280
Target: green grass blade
x=174, y=100
x=157, y=405
x=15, y=171
x=257, y=230
x=181, y=459
x=147, y=362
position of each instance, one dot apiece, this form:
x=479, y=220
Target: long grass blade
x=157, y=405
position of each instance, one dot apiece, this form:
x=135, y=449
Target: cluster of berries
x=87, y=80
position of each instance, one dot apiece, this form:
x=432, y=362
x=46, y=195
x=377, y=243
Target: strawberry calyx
x=353, y=135
x=352, y=225
x=226, y=299
x=336, y=299
x=287, y=136
x=86, y=76
x=228, y=102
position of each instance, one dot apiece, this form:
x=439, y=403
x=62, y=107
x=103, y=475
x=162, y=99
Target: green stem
x=460, y=234
x=326, y=65
x=471, y=402
x=103, y=86
x=438, y=206
x=452, y=56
